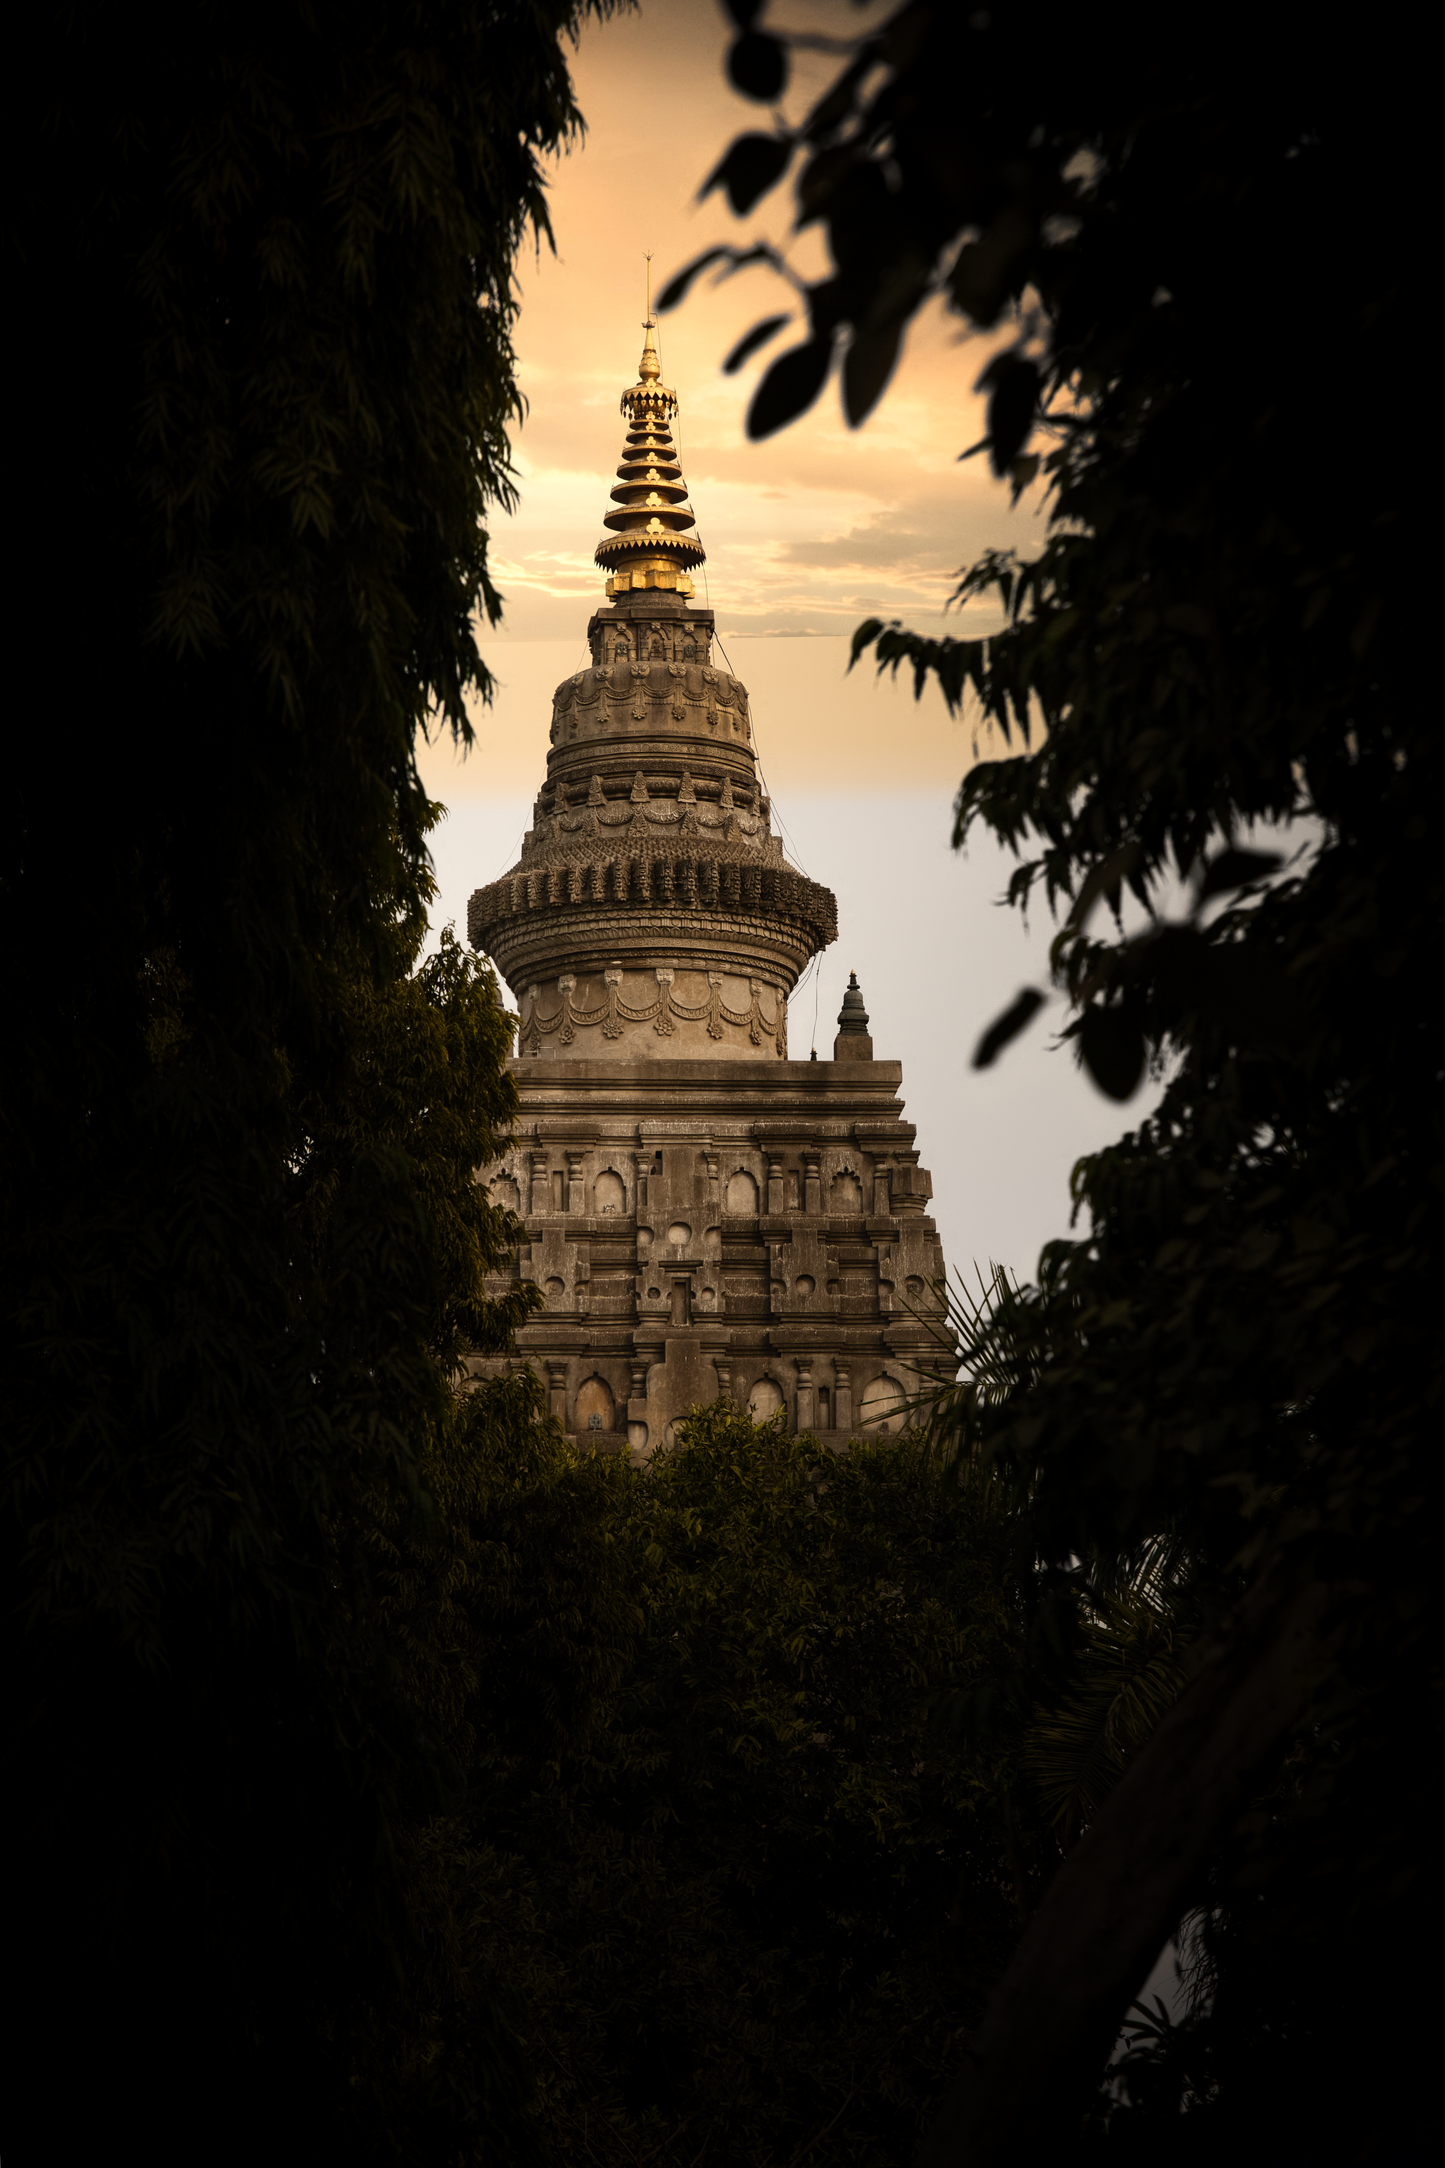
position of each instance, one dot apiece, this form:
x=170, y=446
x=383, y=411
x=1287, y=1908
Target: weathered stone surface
x=716, y=1227
x=704, y=1215
x=652, y=906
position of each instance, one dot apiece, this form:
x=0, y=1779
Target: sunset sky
x=806, y=533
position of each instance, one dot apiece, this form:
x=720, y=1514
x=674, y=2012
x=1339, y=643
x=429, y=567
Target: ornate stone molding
x=534, y=947
x=613, y=1014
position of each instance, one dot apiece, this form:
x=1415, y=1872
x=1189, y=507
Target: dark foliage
x=1205, y=260
x=259, y=265
x=743, y=1890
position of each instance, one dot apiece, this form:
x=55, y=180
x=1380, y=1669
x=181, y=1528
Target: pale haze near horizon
x=806, y=533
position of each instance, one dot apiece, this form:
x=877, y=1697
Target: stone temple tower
x=705, y=1215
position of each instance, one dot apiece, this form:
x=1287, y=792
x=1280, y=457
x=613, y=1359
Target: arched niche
x=609, y=1192
x=764, y=1400
x=503, y=1191
x=596, y=1409
x=845, y=1192
x=741, y=1199
x=882, y=1406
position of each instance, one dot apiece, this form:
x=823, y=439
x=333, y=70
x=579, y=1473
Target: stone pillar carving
x=576, y=1187
x=842, y=1397
x=638, y=1428
x=805, y=1395
x=812, y=1183
x=557, y=1391
x=642, y=1163
x=724, y=1371
x=882, y=1175
x=540, y=1199
x=775, y=1186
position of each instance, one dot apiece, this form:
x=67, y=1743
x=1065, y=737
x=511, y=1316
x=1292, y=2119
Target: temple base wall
x=709, y=1229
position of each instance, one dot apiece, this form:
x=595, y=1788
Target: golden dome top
x=653, y=538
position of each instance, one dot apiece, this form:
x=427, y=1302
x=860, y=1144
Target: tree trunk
x=1122, y=1891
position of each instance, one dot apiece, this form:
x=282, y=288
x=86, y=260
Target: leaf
x=828, y=304
x=749, y=343
x=676, y=288
x=1112, y=1048
x=790, y=387
x=1016, y=1017
x=984, y=272
x=1013, y=404
x=1106, y=879
x=836, y=104
x=1232, y=868
x=864, y=635
x=1022, y=471
x=758, y=66
x=867, y=366
x=749, y=169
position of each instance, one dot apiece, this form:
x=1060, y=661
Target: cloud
x=875, y=544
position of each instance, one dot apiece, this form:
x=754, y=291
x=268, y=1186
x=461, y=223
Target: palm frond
x=1129, y=1677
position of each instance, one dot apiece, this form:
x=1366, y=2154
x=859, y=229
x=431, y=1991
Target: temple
x=705, y=1215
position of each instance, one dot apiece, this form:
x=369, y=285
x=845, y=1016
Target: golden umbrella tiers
x=653, y=535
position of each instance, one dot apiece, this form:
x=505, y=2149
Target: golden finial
x=649, y=369
x=653, y=535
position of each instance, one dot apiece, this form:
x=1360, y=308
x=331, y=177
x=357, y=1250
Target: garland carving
x=614, y=1014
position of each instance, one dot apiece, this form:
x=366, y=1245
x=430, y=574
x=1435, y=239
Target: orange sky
x=821, y=524
x=805, y=534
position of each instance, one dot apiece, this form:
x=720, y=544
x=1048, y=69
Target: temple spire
x=653, y=542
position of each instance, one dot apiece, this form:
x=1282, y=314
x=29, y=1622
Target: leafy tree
x=261, y=266
x=1190, y=240
x=744, y=1890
